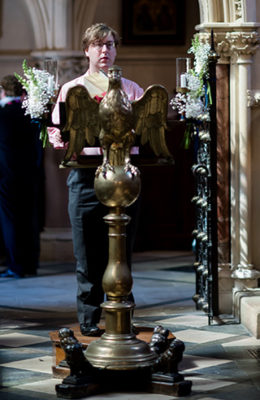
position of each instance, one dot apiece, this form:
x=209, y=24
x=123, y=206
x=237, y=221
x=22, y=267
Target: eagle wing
x=81, y=120
x=150, y=116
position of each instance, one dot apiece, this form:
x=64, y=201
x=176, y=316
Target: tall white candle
x=50, y=83
x=183, y=81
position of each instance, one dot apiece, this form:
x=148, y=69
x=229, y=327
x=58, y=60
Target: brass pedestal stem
x=118, y=348
x=117, y=280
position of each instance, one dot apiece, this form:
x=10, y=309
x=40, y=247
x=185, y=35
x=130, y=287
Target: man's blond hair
x=98, y=32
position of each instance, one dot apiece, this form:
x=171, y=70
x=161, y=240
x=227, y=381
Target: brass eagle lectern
x=116, y=122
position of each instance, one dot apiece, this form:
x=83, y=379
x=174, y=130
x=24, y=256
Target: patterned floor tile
x=7, y=324
x=193, y=363
x=16, y=394
x=17, y=339
x=198, y=336
x=201, y=385
x=8, y=355
x=15, y=376
x=38, y=364
x=45, y=386
x=195, y=321
x=48, y=387
x=247, y=342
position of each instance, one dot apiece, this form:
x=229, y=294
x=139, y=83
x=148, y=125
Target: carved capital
x=253, y=98
x=233, y=44
x=242, y=43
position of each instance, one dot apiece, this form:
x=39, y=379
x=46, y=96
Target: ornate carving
x=253, y=98
x=80, y=368
x=238, y=9
x=223, y=47
x=233, y=44
x=170, y=352
x=243, y=43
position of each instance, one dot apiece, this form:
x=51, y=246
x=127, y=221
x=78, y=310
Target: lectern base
x=82, y=379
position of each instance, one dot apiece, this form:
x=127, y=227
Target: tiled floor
x=222, y=361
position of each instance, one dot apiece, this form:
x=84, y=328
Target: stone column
x=242, y=46
x=225, y=282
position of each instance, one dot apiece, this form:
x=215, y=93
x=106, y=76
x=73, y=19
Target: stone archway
x=51, y=19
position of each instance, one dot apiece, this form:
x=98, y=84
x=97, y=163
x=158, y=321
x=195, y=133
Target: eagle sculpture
x=116, y=121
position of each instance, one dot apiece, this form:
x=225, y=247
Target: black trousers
x=19, y=228
x=20, y=235
x=90, y=242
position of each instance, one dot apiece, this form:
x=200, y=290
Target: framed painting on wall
x=153, y=22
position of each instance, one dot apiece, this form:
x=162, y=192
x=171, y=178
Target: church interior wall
x=15, y=27
x=16, y=43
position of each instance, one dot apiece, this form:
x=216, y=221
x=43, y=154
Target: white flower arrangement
x=192, y=104
x=40, y=88
x=201, y=53
x=195, y=108
x=193, y=82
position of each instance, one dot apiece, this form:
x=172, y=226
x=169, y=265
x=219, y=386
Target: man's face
x=101, y=54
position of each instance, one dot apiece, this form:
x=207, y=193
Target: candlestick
x=183, y=80
x=51, y=65
x=183, y=65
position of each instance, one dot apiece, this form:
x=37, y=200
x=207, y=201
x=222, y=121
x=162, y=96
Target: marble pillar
x=242, y=48
x=225, y=282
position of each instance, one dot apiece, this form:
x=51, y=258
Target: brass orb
x=118, y=188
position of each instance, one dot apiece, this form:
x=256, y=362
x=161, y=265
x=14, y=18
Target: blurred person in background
x=20, y=169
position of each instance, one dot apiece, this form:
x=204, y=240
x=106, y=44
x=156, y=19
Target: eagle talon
x=132, y=169
x=104, y=168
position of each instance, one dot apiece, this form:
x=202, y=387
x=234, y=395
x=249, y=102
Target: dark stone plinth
x=67, y=391
x=106, y=381
x=166, y=384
